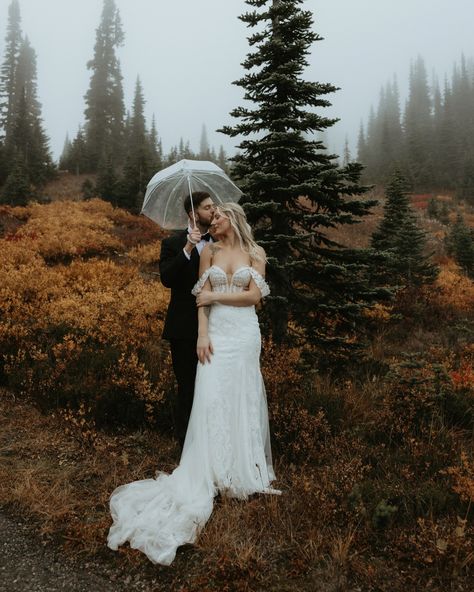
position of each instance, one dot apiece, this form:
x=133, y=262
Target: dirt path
x=26, y=565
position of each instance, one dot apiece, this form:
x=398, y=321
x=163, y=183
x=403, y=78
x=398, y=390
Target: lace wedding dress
x=227, y=445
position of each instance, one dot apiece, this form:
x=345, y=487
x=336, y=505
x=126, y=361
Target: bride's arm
x=204, y=345
x=248, y=297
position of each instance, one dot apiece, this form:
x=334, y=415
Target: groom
x=179, y=270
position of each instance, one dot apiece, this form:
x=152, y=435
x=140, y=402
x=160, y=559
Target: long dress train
x=227, y=445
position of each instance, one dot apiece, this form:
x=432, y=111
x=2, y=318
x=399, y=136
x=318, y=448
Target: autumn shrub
x=146, y=255
x=64, y=229
x=297, y=430
x=85, y=331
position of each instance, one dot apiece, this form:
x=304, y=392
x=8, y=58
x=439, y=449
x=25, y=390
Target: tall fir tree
x=8, y=72
x=222, y=159
x=17, y=189
x=27, y=135
x=347, y=153
x=460, y=244
x=418, y=128
x=139, y=161
x=204, y=150
x=105, y=111
x=66, y=153
x=155, y=146
x=75, y=158
x=294, y=193
x=402, y=240
x=361, y=145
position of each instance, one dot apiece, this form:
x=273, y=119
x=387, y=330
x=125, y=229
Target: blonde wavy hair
x=242, y=229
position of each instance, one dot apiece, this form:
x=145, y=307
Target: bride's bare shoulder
x=214, y=247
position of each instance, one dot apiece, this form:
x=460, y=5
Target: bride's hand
x=204, y=349
x=205, y=298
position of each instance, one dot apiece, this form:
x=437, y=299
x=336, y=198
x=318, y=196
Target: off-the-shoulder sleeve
x=260, y=282
x=200, y=283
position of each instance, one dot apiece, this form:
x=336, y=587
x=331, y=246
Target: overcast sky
x=188, y=52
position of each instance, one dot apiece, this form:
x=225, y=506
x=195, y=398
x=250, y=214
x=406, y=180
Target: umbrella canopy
x=166, y=191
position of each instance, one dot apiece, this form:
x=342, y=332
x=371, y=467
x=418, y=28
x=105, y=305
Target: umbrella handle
x=191, y=198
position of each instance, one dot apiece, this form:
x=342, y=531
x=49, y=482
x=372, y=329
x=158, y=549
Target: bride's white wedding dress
x=227, y=446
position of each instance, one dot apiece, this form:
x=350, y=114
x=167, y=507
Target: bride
x=227, y=445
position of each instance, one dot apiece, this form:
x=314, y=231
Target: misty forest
x=367, y=353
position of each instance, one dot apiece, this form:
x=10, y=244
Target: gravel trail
x=26, y=565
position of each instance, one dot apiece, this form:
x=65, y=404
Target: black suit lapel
x=195, y=257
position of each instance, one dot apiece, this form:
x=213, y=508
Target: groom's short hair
x=198, y=198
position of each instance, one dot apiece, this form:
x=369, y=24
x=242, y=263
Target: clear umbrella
x=166, y=191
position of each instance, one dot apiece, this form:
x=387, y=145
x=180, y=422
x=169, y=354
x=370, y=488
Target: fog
x=187, y=54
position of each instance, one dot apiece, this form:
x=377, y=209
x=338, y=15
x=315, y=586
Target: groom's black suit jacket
x=180, y=274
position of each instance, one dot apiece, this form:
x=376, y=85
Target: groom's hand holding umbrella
x=194, y=236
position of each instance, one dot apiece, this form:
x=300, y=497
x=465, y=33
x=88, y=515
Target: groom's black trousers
x=184, y=357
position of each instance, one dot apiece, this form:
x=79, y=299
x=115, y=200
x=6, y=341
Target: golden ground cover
x=376, y=467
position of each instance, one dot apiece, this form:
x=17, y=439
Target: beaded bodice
x=236, y=282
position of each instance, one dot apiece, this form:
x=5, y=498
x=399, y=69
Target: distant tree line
x=432, y=140
x=25, y=159
x=114, y=145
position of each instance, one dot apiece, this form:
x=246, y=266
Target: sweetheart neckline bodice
x=231, y=275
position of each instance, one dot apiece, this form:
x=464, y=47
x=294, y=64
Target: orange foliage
x=57, y=318
x=456, y=290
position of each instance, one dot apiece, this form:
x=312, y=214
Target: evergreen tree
x=37, y=156
x=184, y=151
x=105, y=111
x=460, y=244
x=26, y=135
x=17, y=188
x=88, y=189
x=396, y=210
x=155, y=147
x=371, y=145
x=347, y=153
x=317, y=283
x=139, y=161
x=418, y=128
x=400, y=237
x=390, y=150
x=172, y=157
x=222, y=160
x=413, y=265
x=447, y=145
x=204, y=151
x=108, y=185
x=465, y=190
x=443, y=214
x=8, y=70
x=65, y=154
x=437, y=148
x=76, y=159
x=362, y=145
x=432, y=210
x=212, y=155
